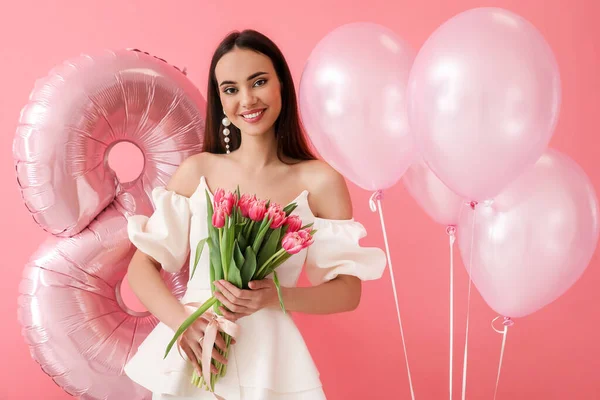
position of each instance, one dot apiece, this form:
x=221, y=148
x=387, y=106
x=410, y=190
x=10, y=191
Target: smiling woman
x=254, y=141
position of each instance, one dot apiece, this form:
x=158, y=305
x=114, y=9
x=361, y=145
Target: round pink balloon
x=70, y=307
x=439, y=202
x=535, y=240
x=79, y=111
x=353, y=103
x=484, y=97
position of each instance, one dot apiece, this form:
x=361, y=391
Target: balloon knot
x=378, y=195
x=508, y=322
x=473, y=204
x=451, y=230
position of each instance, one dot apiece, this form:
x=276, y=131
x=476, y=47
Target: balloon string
x=451, y=230
x=465, y=356
x=376, y=197
x=507, y=322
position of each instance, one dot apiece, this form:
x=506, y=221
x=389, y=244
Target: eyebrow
x=255, y=75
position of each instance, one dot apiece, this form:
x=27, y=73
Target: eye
x=260, y=82
x=230, y=90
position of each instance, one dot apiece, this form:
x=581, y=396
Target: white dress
x=270, y=360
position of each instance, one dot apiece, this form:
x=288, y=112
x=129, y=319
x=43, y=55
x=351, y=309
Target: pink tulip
x=219, y=194
x=293, y=242
x=218, y=218
x=306, y=236
x=294, y=223
x=245, y=203
x=228, y=201
x=277, y=215
x=257, y=210
x=225, y=199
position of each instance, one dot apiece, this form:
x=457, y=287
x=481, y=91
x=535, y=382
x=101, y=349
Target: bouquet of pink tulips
x=248, y=239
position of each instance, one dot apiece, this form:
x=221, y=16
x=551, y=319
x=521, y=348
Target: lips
x=250, y=115
x=253, y=116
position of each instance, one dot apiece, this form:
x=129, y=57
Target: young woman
x=253, y=139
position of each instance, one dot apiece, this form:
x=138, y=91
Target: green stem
x=266, y=263
x=222, y=246
x=223, y=369
x=189, y=321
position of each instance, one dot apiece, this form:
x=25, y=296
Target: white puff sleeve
x=336, y=251
x=164, y=235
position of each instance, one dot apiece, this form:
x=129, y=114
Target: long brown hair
x=291, y=140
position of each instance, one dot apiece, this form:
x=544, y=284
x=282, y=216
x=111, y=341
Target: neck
x=257, y=151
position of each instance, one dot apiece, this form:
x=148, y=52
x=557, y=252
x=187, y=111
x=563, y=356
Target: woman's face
x=250, y=90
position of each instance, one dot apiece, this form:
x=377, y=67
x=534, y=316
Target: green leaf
x=215, y=263
x=234, y=275
x=255, y=229
x=199, y=249
x=264, y=228
x=189, y=321
x=270, y=246
x=267, y=265
x=249, y=266
x=231, y=238
x=278, y=287
x=209, y=207
x=272, y=264
x=237, y=255
x=216, y=268
x=289, y=208
x=276, y=263
x=242, y=242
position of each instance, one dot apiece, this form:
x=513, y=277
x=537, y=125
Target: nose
x=248, y=98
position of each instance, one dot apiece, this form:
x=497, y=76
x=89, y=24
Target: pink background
x=552, y=354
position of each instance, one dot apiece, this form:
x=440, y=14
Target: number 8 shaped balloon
x=72, y=315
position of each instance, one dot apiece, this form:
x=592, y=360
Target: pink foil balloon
x=73, y=317
x=82, y=108
x=535, y=240
x=70, y=308
x=484, y=98
x=439, y=202
x=353, y=103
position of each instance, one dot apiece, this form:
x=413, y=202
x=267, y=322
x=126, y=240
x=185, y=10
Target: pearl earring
x=226, y=122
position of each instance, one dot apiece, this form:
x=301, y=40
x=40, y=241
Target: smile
x=253, y=115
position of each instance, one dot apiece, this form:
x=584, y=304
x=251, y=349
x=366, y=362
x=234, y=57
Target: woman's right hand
x=191, y=343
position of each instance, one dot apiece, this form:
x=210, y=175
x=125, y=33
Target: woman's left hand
x=241, y=303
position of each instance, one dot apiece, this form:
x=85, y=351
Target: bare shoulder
x=329, y=196
x=186, y=177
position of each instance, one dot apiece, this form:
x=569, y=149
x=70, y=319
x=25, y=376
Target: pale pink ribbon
x=215, y=323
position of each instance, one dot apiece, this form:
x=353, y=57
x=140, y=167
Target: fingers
x=236, y=308
x=220, y=342
x=218, y=356
x=197, y=352
x=231, y=289
x=192, y=357
x=229, y=315
x=262, y=284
